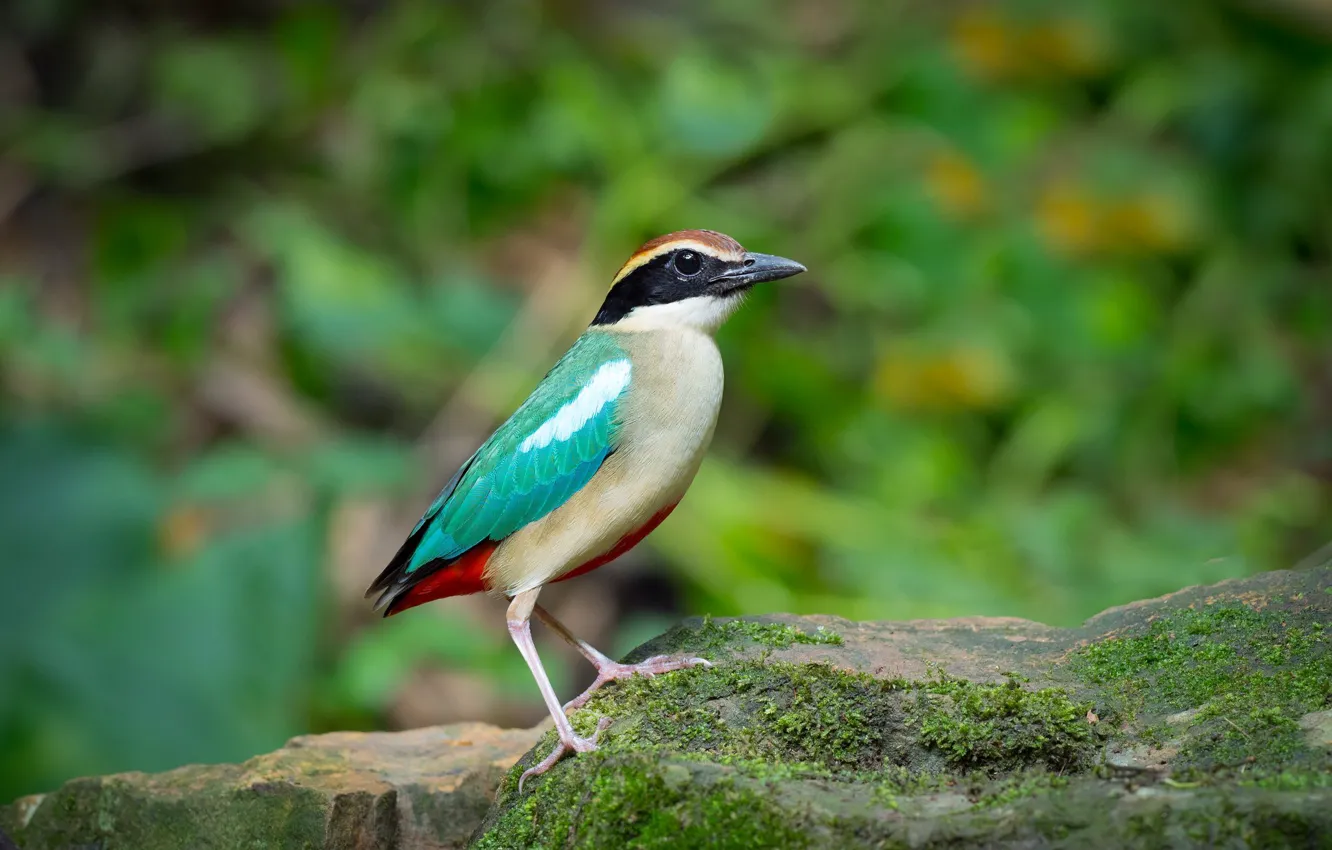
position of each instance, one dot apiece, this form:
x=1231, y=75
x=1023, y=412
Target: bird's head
x=690, y=278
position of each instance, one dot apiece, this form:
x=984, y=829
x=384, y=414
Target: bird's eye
x=688, y=263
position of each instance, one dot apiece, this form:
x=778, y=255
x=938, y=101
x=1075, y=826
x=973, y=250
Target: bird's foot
x=611, y=671
x=568, y=743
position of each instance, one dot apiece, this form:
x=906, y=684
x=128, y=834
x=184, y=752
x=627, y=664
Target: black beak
x=758, y=268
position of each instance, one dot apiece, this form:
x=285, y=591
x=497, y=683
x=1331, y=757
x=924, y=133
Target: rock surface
x=1194, y=720
x=1200, y=719
x=424, y=788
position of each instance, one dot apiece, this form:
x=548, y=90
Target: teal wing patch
x=547, y=451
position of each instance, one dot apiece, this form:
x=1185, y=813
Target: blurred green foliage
x=1064, y=343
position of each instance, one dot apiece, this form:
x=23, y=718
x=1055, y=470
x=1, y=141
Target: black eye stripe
x=660, y=280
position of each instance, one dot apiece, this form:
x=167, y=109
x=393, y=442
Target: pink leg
x=520, y=629
x=607, y=669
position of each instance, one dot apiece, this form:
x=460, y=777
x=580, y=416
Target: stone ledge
x=426, y=788
x=1195, y=720
x=1200, y=719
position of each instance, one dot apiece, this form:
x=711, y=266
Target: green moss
x=1290, y=780
x=712, y=637
x=1003, y=727
x=812, y=714
x=1018, y=787
x=789, y=713
x=895, y=782
x=788, y=754
x=1251, y=674
x=1156, y=735
x=766, y=771
x=628, y=800
x=602, y=800
x=1221, y=820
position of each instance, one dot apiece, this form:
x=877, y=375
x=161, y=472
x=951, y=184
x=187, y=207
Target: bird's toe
x=544, y=765
x=571, y=743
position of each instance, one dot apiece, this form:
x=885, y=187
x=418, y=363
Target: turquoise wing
x=547, y=451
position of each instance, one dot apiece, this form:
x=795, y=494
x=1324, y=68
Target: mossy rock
x=425, y=788
x=1202, y=719
x=1195, y=720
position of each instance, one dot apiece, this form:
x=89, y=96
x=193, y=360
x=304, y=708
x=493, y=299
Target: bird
x=596, y=458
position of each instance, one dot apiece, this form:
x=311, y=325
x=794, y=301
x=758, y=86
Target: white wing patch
x=605, y=386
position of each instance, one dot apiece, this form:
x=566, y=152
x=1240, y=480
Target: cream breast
x=667, y=417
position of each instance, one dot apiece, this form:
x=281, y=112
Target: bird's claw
x=571, y=743
x=651, y=667
x=566, y=744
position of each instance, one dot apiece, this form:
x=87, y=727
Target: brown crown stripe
x=704, y=241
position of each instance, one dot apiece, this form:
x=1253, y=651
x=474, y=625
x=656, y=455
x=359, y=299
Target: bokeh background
x=269, y=271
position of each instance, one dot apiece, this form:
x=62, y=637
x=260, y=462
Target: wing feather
x=533, y=463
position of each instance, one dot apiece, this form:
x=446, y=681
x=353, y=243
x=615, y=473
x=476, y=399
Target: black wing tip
x=392, y=575
x=395, y=579
x=391, y=586
x=384, y=604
